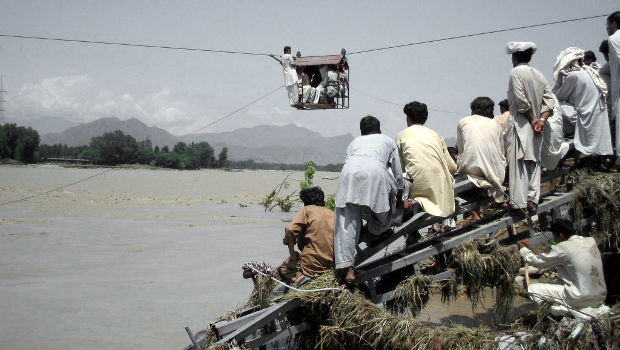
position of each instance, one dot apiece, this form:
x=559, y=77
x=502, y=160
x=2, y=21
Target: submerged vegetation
x=276, y=198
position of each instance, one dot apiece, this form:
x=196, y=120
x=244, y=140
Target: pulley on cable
x=316, y=82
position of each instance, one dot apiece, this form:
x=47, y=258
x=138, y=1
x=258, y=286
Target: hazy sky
x=183, y=91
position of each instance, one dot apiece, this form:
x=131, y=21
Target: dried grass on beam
x=410, y=296
x=480, y=265
x=597, y=196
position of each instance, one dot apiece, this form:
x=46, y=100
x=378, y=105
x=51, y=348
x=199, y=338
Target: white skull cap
x=516, y=46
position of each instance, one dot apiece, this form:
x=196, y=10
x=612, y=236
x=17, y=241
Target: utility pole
x=2, y=100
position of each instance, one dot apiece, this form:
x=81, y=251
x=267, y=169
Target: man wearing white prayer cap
x=531, y=103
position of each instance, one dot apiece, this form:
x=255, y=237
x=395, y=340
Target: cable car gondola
x=323, y=81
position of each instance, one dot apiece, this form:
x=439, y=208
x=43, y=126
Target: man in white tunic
x=583, y=95
x=613, y=24
x=480, y=143
x=290, y=74
x=554, y=148
x=579, y=267
x=531, y=103
x=426, y=160
x=605, y=74
x=504, y=115
x=370, y=183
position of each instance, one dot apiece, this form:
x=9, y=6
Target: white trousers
x=551, y=291
x=347, y=227
x=523, y=181
x=293, y=93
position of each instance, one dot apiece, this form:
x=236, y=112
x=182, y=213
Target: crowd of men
x=417, y=172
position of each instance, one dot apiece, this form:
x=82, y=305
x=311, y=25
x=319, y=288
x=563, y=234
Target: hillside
x=275, y=144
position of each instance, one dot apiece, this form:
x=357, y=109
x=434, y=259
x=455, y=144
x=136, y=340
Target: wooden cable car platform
x=256, y=328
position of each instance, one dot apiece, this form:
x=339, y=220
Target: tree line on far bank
x=113, y=148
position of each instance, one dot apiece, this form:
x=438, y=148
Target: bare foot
x=350, y=276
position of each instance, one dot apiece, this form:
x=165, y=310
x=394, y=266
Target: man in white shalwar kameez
x=426, y=160
x=531, y=103
x=554, y=148
x=480, y=143
x=579, y=267
x=290, y=74
x=613, y=24
x=583, y=94
x=370, y=182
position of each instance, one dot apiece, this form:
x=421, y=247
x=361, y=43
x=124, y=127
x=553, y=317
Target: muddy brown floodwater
x=128, y=258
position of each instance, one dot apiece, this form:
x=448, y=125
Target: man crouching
x=313, y=231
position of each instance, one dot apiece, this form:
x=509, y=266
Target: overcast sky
x=183, y=91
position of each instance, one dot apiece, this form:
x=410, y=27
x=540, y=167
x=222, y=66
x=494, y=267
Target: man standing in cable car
x=290, y=75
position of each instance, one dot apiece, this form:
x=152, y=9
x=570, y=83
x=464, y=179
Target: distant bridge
x=68, y=160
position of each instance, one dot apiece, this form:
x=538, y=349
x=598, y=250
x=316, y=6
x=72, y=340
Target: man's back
x=582, y=271
x=579, y=266
x=527, y=91
x=426, y=160
x=480, y=143
x=313, y=228
x=370, y=172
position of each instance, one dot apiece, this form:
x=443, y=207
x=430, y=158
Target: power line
x=478, y=34
x=167, y=47
x=239, y=109
x=401, y=104
x=131, y=44
x=107, y=170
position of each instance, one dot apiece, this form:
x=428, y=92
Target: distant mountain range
x=274, y=144
x=288, y=144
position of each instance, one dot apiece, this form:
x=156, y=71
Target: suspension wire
x=167, y=47
x=14, y=36
x=136, y=159
x=400, y=104
x=239, y=109
x=56, y=189
x=477, y=34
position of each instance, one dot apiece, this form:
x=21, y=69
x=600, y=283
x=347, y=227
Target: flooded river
x=127, y=258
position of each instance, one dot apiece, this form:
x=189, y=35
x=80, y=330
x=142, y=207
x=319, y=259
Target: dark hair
x=312, y=196
x=287, y=48
x=589, y=55
x=416, y=112
x=523, y=56
x=614, y=17
x=504, y=104
x=604, y=47
x=370, y=125
x=563, y=226
x=453, y=150
x=482, y=106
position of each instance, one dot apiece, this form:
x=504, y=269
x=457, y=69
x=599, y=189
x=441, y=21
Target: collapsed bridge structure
x=279, y=323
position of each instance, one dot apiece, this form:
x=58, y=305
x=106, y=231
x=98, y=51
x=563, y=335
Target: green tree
x=179, y=148
x=114, y=148
x=221, y=159
x=19, y=143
